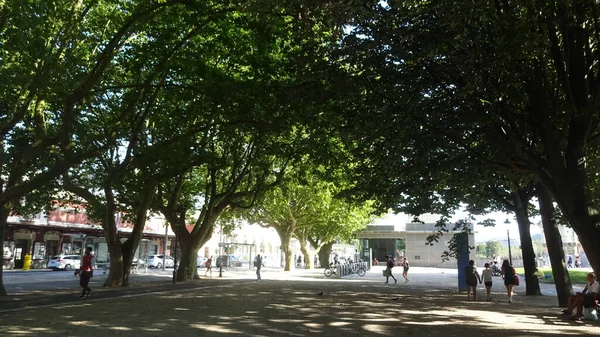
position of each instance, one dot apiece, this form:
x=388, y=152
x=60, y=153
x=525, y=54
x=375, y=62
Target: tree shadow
x=274, y=308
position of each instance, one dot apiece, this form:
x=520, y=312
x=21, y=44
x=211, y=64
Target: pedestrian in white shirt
x=588, y=294
x=486, y=275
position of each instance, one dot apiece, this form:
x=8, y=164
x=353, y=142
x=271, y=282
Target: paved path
x=289, y=304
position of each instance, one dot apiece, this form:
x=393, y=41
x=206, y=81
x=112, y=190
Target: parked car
x=228, y=261
x=65, y=262
x=156, y=261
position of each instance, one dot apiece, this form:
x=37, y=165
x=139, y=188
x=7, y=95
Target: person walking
x=471, y=278
x=388, y=269
x=508, y=274
x=258, y=265
x=208, y=265
x=570, y=262
x=486, y=275
x=86, y=273
x=405, y=266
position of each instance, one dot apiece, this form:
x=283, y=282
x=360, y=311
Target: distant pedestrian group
x=387, y=273
x=388, y=270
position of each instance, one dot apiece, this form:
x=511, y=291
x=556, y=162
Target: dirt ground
x=295, y=308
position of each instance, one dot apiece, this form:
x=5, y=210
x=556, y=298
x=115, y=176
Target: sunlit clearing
x=376, y=328
x=340, y=323
x=81, y=323
x=214, y=328
x=287, y=320
x=429, y=323
x=120, y=328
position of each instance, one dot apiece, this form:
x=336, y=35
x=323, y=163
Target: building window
x=39, y=251
x=417, y=257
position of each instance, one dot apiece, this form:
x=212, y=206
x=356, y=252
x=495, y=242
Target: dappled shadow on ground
x=277, y=308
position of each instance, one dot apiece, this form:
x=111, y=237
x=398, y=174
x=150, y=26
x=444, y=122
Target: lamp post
x=175, y=254
x=508, y=237
x=166, y=246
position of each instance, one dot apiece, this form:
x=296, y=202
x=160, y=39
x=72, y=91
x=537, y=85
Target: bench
x=590, y=306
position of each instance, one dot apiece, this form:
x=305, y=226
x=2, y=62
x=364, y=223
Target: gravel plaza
x=290, y=304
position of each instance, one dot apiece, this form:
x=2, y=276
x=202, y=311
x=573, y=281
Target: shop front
x=43, y=241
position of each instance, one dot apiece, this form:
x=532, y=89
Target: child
x=472, y=277
x=486, y=275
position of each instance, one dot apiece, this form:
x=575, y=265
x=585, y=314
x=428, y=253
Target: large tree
x=138, y=111
x=308, y=207
x=262, y=107
x=562, y=279
x=510, y=83
x=54, y=56
x=236, y=171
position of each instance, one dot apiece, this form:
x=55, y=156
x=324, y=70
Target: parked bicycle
x=331, y=270
x=358, y=268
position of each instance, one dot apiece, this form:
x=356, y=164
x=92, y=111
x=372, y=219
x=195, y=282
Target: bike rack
x=350, y=268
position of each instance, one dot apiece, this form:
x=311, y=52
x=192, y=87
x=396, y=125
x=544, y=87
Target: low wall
x=479, y=262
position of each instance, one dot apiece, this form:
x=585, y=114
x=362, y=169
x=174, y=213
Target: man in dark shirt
x=258, y=265
x=390, y=265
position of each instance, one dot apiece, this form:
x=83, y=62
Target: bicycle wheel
x=328, y=272
x=362, y=272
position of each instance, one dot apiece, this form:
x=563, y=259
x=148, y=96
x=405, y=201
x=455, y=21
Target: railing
x=348, y=269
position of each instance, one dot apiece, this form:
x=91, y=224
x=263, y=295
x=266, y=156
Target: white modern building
x=410, y=240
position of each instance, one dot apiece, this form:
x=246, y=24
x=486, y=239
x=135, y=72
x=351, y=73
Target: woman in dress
x=508, y=274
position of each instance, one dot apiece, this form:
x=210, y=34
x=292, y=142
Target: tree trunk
x=115, y=273
x=189, y=243
x=532, y=283
x=111, y=233
x=324, y=254
x=589, y=237
x=569, y=187
x=3, y=217
x=287, y=251
x=135, y=237
x=128, y=250
x=562, y=280
x=307, y=255
x=285, y=235
x=188, y=266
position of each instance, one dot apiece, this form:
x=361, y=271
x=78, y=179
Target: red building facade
x=68, y=230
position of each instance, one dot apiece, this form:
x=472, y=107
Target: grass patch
x=577, y=276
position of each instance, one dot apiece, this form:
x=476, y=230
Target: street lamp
x=175, y=254
x=166, y=246
x=508, y=237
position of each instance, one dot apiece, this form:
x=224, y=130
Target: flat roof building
x=410, y=240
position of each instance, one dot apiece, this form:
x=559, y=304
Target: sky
x=482, y=234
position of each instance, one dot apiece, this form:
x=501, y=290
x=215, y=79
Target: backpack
x=390, y=264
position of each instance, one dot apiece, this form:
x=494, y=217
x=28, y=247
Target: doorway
x=21, y=249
